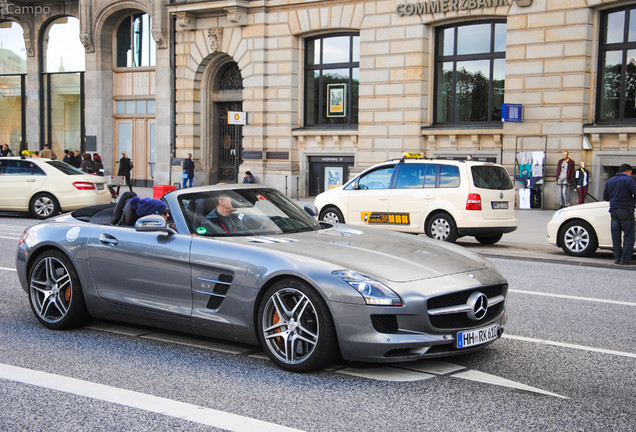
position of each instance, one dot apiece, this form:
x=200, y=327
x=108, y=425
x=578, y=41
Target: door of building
x=228, y=145
x=328, y=172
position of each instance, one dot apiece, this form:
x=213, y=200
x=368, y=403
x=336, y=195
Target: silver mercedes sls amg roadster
x=244, y=263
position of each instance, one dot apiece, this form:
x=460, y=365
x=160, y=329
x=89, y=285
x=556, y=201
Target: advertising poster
x=337, y=103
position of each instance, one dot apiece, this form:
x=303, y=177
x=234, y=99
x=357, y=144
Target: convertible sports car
x=266, y=273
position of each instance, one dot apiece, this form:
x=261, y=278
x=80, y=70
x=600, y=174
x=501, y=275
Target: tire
x=489, y=240
x=44, y=205
x=441, y=226
x=295, y=327
x=55, y=293
x=577, y=238
x=331, y=215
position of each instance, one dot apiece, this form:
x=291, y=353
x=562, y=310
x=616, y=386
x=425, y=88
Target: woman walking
x=125, y=166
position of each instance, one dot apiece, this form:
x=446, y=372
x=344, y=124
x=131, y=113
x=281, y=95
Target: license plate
x=100, y=186
x=500, y=205
x=479, y=336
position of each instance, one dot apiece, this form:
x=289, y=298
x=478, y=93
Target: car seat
x=119, y=208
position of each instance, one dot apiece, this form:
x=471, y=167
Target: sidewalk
x=528, y=241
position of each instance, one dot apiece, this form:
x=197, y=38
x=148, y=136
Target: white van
x=445, y=199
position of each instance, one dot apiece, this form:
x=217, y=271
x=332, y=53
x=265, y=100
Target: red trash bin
x=160, y=190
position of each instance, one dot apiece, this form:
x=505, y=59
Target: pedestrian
x=98, y=165
x=125, y=166
x=66, y=155
x=77, y=159
x=581, y=178
x=6, y=151
x=87, y=164
x=620, y=191
x=188, y=170
x=249, y=178
x=564, y=177
x=47, y=152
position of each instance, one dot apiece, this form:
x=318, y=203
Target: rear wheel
x=578, y=239
x=44, y=205
x=295, y=327
x=441, y=226
x=331, y=215
x=491, y=239
x=55, y=293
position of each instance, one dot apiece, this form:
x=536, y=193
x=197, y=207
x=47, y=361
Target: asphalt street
x=566, y=362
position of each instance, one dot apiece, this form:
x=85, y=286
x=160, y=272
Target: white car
x=581, y=229
x=45, y=187
x=445, y=199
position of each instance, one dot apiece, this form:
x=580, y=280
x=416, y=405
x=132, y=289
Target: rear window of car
x=19, y=167
x=491, y=177
x=65, y=168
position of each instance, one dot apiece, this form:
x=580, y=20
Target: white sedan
x=45, y=187
x=580, y=230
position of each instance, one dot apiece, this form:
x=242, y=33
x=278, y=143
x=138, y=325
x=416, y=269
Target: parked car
x=45, y=187
x=581, y=229
x=307, y=292
x=443, y=198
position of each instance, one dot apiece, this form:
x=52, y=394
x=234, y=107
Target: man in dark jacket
x=188, y=170
x=620, y=191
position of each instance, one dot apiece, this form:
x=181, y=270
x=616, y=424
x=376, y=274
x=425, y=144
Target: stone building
x=327, y=87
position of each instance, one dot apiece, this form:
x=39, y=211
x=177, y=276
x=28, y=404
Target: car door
x=146, y=270
x=19, y=180
x=369, y=197
x=412, y=196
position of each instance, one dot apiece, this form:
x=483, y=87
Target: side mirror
x=311, y=210
x=153, y=223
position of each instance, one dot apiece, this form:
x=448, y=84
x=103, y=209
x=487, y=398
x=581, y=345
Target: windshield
x=243, y=212
x=65, y=168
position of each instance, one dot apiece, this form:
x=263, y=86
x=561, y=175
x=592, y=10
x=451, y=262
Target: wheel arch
x=435, y=212
x=568, y=221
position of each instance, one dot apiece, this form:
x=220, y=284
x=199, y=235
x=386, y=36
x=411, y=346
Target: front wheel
x=441, y=226
x=488, y=240
x=295, y=327
x=55, y=293
x=331, y=215
x=44, y=205
x=578, y=239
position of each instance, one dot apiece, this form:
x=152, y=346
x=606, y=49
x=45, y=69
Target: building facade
x=327, y=87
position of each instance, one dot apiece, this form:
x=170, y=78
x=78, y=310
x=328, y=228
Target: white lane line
x=9, y=238
x=482, y=377
x=7, y=269
x=570, y=297
x=133, y=399
x=568, y=345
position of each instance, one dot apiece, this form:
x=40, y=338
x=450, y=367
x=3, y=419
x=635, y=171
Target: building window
x=135, y=46
x=617, y=69
x=12, y=86
x=332, y=76
x=470, y=74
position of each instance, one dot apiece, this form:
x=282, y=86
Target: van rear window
x=491, y=177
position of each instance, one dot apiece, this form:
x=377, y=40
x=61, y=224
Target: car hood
x=391, y=256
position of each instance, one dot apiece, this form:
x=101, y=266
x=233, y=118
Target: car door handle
x=383, y=198
x=107, y=239
x=31, y=180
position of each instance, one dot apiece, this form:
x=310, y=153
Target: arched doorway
x=225, y=140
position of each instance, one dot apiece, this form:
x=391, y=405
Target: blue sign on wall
x=512, y=113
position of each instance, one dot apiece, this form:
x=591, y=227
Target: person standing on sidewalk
x=125, y=166
x=620, y=191
x=188, y=170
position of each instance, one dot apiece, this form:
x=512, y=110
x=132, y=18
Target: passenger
x=223, y=217
x=140, y=207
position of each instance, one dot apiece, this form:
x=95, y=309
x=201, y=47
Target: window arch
x=134, y=44
x=62, y=48
x=13, y=68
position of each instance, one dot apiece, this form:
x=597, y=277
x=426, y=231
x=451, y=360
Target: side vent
x=221, y=286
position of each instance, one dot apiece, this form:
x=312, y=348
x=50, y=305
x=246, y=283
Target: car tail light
x=473, y=202
x=84, y=185
x=515, y=201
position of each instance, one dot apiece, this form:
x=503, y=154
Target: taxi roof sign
x=412, y=155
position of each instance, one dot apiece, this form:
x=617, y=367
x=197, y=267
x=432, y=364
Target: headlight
x=375, y=293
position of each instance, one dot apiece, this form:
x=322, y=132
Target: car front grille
x=385, y=323
x=461, y=320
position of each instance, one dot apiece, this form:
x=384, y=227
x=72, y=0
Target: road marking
x=385, y=373
x=569, y=297
x=568, y=345
x=10, y=238
x=7, y=269
x=133, y=399
x=482, y=377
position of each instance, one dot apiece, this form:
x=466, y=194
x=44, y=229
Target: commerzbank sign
x=437, y=6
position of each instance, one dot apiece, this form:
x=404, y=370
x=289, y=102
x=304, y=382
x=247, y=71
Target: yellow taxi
x=446, y=199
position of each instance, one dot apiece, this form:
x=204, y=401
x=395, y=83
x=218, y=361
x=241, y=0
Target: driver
x=223, y=217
